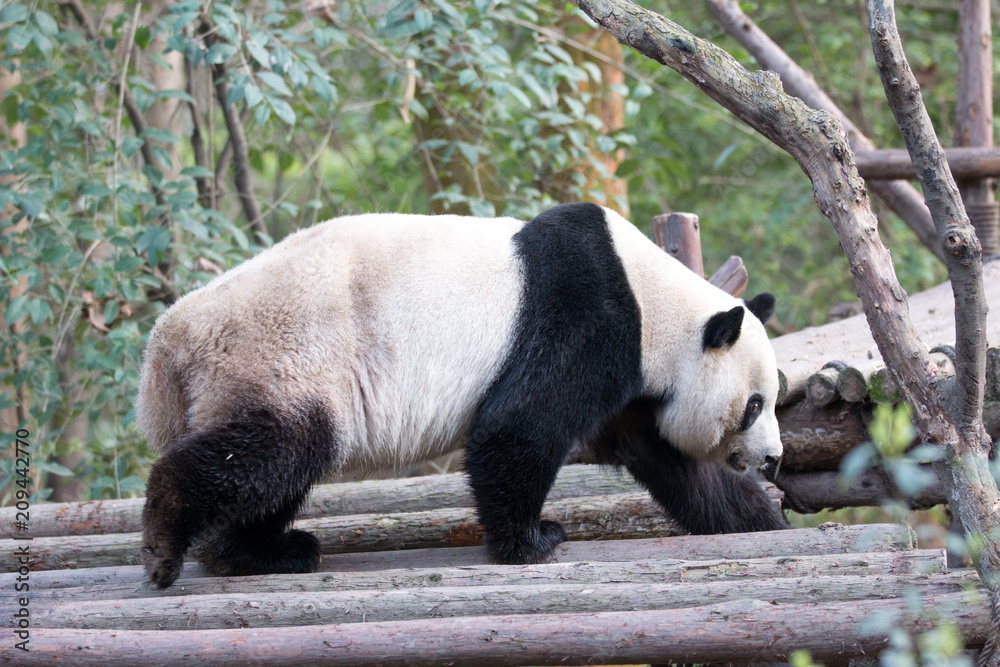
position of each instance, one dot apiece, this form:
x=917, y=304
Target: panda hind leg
x=234, y=491
x=261, y=546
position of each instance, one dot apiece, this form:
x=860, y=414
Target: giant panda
x=376, y=341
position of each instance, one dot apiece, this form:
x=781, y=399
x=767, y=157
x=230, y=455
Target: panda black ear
x=762, y=306
x=723, y=328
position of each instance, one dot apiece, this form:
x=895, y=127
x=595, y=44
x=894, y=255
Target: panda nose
x=770, y=469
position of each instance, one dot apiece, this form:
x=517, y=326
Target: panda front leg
x=700, y=496
x=510, y=473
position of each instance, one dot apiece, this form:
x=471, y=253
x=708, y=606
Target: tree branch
x=816, y=140
x=198, y=140
x=963, y=253
x=241, y=154
x=901, y=197
x=139, y=124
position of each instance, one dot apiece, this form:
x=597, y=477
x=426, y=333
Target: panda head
x=721, y=408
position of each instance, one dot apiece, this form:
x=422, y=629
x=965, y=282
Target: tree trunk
x=815, y=139
x=900, y=196
x=974, y=114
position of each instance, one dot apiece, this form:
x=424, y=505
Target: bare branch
x=962, y=249
x=139, y=124
x=901, y=197
x=241, y=155
x=198, y=140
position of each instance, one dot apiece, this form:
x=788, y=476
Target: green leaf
x=162, y=157
x=110, y=312
x=127, y=263
x=261, y=114
x=154, y=240
x=283, y=109
x=197, y=171
x=252, y=94
x=16, y=309
x=470, y=151
x=95, y=189
x=143, y=36
x=423, y=18
x=324, y=89
x=40, y=310
x=219, y=53
x=259, y=53
x=29, y=203
x=18, y=38
x=131, y=145
x=235, y=94
x=275, y=82
x=157, y=134
x=13, y=13
x=467, y=76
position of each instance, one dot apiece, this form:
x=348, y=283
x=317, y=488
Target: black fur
x=702, y=497
x=762, y=306
x=235, y=490
x=723, y=329
x=576, y=358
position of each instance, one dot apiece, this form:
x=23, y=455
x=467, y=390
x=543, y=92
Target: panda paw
x=162, y=568
x=303, y=552
x=533, y=548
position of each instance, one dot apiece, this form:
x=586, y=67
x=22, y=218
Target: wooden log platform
x=625, y=589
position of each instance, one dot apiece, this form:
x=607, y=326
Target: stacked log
x=613, y=594
x=834, y=378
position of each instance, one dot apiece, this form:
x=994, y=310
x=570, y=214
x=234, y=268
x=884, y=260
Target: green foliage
x=466, y=105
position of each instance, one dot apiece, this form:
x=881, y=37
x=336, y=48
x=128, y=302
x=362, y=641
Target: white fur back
x=398, y=323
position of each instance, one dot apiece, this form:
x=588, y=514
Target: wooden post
x=679, y=234
x=974, y=114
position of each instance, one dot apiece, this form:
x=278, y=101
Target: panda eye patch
x=754, y=407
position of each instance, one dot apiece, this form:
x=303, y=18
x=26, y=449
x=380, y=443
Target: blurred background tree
x=148, y=147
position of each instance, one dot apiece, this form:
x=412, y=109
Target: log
x=803, y=353
x=810, y=492
x=821, y=388
x=368, y=497
x=817, y=437
x=765, y=631
x=852, y=385
x=731, y=277
x=892, y=164
x=264, y=610
x=917, y=561
x=590, y=518
x=830, y=538
x=882, y=387
x=679, y=235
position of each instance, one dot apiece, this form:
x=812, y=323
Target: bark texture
x=700, y=634
x=829, y=539
x=900, y=196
